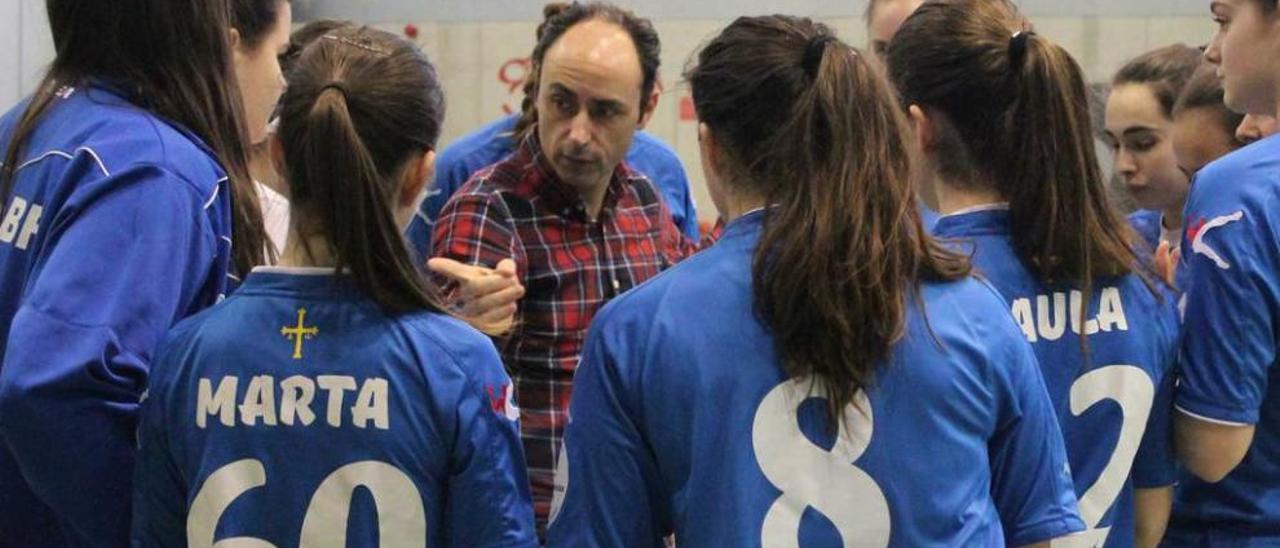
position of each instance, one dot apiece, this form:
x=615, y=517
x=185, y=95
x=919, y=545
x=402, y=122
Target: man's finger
x=454, y=269
x=480, y=287
x=503, y=316
x=489, y=302
x=507, y=268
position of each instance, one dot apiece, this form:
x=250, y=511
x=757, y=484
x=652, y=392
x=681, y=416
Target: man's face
x=885, y=20
x=589, y=104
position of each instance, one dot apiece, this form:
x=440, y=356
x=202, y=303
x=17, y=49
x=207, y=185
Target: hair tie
x=813, y=54
x=1018, y=46
x=336, y=85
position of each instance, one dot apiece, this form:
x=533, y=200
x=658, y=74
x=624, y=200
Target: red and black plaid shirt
x=570, y=267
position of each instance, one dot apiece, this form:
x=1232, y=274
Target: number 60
x=401, y=518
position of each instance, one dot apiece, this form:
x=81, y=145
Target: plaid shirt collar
x=540, y=180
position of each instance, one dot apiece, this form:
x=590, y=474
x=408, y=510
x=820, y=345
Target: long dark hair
x=1165, y=71
x=809, y=125
x=1017, y=117
x=360, y=104
x=254, y=19
x=1204, y=91
x=174, y=58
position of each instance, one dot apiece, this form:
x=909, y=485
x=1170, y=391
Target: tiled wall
x=481, y=62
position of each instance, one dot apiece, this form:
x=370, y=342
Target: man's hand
x=485, y=297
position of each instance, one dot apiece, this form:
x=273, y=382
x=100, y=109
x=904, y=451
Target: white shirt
x=275, y=215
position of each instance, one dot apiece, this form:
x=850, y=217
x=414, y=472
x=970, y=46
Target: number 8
x=810, y=476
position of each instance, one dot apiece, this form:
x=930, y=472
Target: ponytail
x=360, y=106
x=1063, y=226
x=806, y=123
x=1018, y=107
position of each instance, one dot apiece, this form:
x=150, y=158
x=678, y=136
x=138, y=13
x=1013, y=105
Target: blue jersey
x=928, y=217
x=1149, y=225
x=683, y=421
x=117, y=227
x=297, y=413
x=1231, y=271
x=1114, y=408
x=490, y=144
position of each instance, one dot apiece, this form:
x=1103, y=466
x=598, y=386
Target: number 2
x=1133, y=390
x=810, y=476
x=401, y=518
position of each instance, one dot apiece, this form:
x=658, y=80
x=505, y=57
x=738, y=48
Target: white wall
x=381, y=11
x=24, y=37
x=478, y=44
x=479, y=64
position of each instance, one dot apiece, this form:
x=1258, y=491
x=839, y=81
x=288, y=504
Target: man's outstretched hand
x=485, y=297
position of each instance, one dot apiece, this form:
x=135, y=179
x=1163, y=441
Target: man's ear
x=649, y=106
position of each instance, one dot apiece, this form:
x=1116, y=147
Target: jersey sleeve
x=489, y=503
x=607, y=479
x=673, y=184
x=1155, y=465
x=159, y=502
x=113, y=278
x=1229, y=341
x=1030, y=478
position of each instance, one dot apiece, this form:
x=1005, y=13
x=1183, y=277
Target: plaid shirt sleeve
x=476, y=228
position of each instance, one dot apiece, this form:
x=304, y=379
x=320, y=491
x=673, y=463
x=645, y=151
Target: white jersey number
x=402, y=520
x=810, y=476
x=1132, y=389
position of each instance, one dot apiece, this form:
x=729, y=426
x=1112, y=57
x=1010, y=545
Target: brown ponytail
x=809, y=125
x=1019, y=109
x=361, y=104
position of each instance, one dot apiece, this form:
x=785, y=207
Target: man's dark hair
x=643, y=35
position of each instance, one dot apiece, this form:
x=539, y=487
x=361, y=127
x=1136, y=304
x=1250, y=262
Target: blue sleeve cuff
x=1203, y=409
x=1156, y=480
x=1045, y=531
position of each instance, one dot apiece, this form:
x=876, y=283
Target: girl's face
x=1256, y=127
x=1245, y=50
x=1141, y=137
x=258, y=73
x=1199, y=138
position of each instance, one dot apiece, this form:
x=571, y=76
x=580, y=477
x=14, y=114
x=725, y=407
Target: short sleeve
x=1030, y=478
x=489, y=502
x=606, y=481
x=1229, y=341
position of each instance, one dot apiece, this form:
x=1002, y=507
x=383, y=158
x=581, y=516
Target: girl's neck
x=953, y=198
x=306, y=251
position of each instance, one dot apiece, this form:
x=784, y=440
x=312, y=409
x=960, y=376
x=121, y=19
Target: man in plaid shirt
x=581, y=226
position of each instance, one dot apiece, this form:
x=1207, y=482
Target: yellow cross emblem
x=299, y=332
